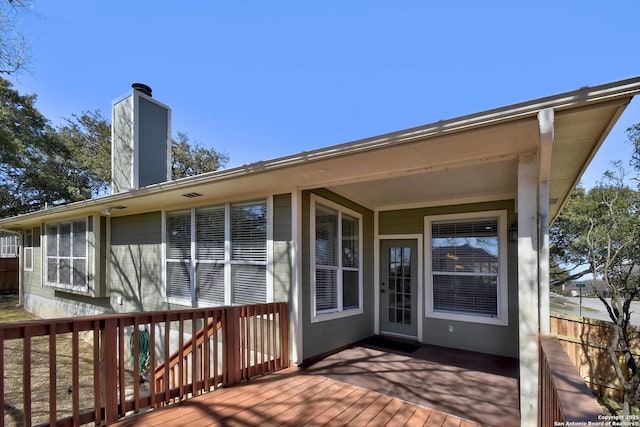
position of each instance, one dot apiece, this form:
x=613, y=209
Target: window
x=8, y=245
x=249, y=253
x=66, y=247
x=336, y=260
x=217, y=254
x=28, y=250
x=468, y=267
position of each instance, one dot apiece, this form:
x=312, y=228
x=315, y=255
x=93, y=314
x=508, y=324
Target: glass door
x=398, y=287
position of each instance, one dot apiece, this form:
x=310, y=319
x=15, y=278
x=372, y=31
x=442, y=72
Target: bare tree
x=13, y=45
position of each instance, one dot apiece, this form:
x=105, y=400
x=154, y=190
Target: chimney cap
x=141, y=87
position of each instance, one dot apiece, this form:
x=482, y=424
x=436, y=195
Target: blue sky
x=263, y=79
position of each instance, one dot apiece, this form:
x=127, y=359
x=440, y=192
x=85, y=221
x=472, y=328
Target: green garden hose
x=144, y=347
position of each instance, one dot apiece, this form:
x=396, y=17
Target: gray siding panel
x=122, y=145
x=501, y=340
x=282, y=236
x=153, y=139
x=282, y=217
x=322, y=337
x=136, y=262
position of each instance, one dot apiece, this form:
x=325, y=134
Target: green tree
x=189, y=158
x=598, y=233
x=33, y=170
x=88, y=138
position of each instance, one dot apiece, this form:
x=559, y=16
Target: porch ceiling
x=473, y=183
x=482, y=166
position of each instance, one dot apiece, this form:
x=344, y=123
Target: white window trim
x=8, y=246
x=89, y=269
x=228, y=262
x=340, y=312
x=503, y=283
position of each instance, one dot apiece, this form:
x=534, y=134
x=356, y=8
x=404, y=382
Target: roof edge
x=584, y=96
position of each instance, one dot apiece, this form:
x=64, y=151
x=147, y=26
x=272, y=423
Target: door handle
x=382, y=288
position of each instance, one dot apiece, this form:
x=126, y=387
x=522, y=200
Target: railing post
x=283, y=308
x=231, y=346
x=109, y=369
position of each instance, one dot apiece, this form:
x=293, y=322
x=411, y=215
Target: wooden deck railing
x=564, y=396
x=206, y=342
x=192, y=352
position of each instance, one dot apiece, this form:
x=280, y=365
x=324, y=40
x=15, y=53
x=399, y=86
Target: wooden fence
x=585, y=341
x=213, y=347
x=9, y=275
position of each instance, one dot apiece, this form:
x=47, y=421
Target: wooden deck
x=294, y=398
x=364, y=385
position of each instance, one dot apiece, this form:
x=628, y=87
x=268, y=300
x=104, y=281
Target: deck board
x=432, y=387
x=474, y=386
x=293, y=398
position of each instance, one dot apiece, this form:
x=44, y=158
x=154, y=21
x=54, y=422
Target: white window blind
x=248, y=283
x=249, y=232
x=230, y=244
x=210, y=229
x=249, y=253
x=464, y=263
x=178, y=246
x=179, y=235
x=326, y=259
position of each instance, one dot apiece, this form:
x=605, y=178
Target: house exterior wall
x=485, y=338
x=135, y=263
x=324, y=336
x=129, y=274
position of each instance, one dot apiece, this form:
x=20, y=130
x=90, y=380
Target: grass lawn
x=13, y=368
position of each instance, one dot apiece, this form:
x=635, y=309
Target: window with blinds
x=210, y=232
x=249, y=253
x=466, y=266
x=337, y=285
x=66, y=254
x=28, y=250
x=178, y=247
x=218, y=254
